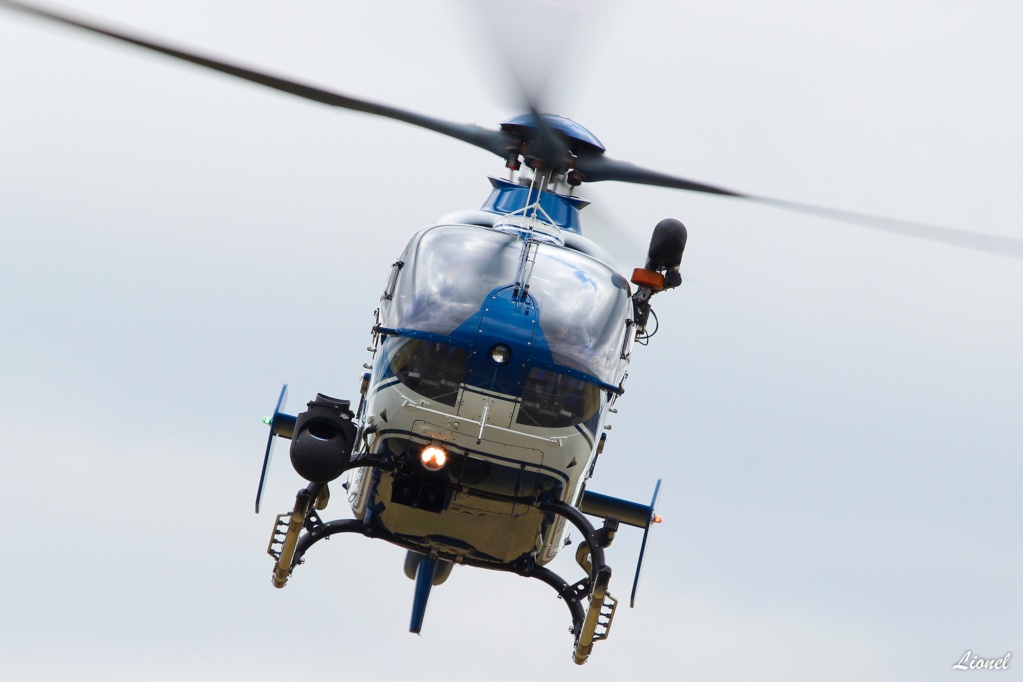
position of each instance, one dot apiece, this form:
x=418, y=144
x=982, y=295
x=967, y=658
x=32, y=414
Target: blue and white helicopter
x=499, y=347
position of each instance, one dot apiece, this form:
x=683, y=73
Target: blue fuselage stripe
x=585, y=434
x=386, y=383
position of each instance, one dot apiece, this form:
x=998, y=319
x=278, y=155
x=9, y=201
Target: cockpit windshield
x=448, y=272
x=583, y=308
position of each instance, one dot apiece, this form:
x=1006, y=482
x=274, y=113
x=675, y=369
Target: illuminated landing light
x=433, y=457
x=500, y=354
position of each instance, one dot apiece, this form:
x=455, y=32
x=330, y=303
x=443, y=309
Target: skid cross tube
x=572, y=594
x=318, y=533
x=569, y=593
x=580, y=521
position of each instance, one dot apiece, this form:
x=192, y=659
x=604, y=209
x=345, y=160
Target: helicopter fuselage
x=504, y=346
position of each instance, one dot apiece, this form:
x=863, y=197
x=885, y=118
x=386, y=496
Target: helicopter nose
x=504, y=341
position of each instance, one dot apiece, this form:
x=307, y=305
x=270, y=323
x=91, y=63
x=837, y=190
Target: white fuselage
x=516, y=431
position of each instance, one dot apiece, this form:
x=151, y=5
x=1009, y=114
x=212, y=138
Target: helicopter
x=418, y=377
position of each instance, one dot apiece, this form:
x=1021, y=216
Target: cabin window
x=431, y=369
x=555, y=400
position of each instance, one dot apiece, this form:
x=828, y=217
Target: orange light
x=658, y=518
x=648, y=278
x=434, y=458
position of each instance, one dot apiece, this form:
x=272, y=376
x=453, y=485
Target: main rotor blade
x=527, y=39
x=531, y=41
x=597, y=168
x=494, y=141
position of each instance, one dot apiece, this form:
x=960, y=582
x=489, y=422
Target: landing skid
x=590, y=624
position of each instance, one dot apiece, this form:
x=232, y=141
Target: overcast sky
x=835, y=411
